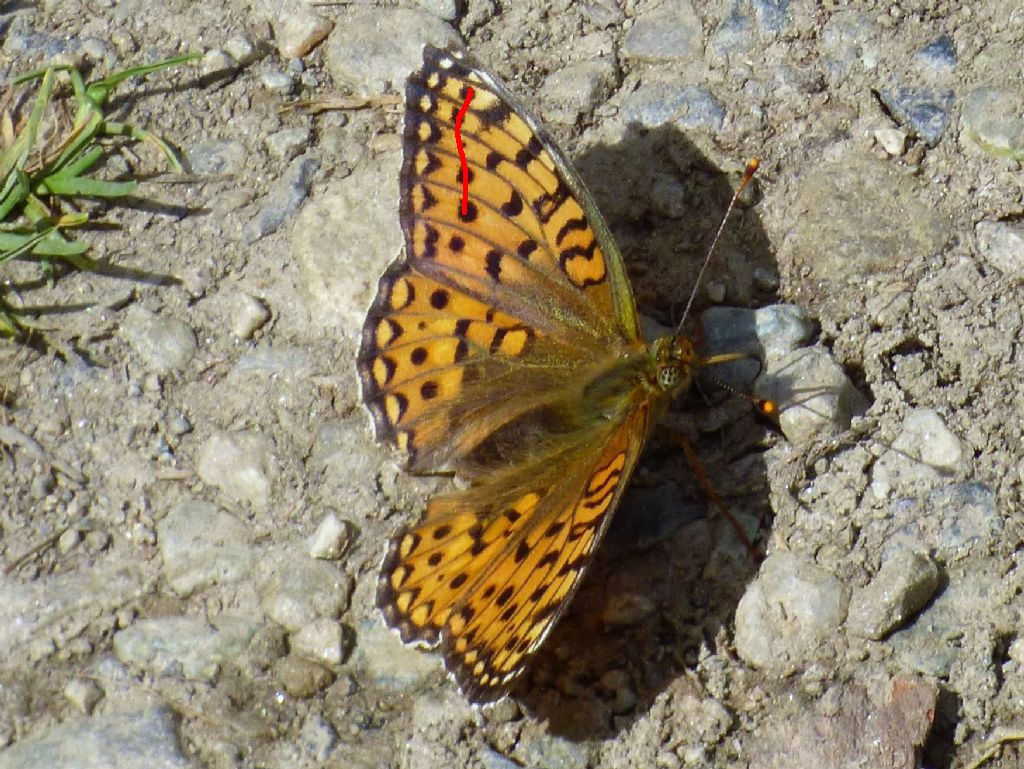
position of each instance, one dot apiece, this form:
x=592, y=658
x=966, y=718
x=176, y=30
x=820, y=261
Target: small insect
x=503, y=346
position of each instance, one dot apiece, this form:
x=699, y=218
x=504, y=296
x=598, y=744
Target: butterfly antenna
x=748, y=174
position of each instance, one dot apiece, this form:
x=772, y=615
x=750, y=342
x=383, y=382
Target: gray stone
x=734, y=33
x=276, y=81
x=241, y=49
x=576, y=89
x=770, y=332
x=1001, y=244
x=938, y=56
x=656, y=103
x=301, y=678
x=904, y=583
x=373, y=50
x=298, y=30
x=343, y=240
x=82, y=694
x=923, y=454
x=248, y=314
x=144, y=739
x=931, y=643
x=216, y=63
x=849, y=39
x=624, y=609
x=772, y=15
x=330, y=539
x=539, y=750
x=788, y=612
x=317, y=737
x=300, y=590
x=991, y=118
x=491, y=759
x=202, y=545
x=443, y=9
x=283, y=198
x=287, y=143
x=163, y=344
x=192, y=648
x=669, y=31
x=242, y=465
x=216, y=157
x=835, y=235
x=322, y=641
x=389, y=664
x=925, y=111
x=812, y=393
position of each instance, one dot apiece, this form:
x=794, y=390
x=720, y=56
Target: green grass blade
x=90, y=188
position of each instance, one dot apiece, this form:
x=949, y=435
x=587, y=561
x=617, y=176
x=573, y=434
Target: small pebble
x=97, y=540
x=299, y=31
x=301, y=590
x=178, y=424
x=241, y=464
x=216, y=62
x=715, y=291
x=788, y=613
x=321, y=641
x=904, y=583
x=241, y=49
x=1001, y=244
x=503, y=711
x=83, y=694
x=287, y=143
x=301, y=678
x=283, y=198
x=248, y=314
x=317, y=737
x=925, y=111
x=813, y=394
x=277, y=81
x=991, y=118
x=68, y=540
x=330, y=539
x=443, y=9
x=672, y=31
x=163, y=344
x=892, y=140
x=626, y=609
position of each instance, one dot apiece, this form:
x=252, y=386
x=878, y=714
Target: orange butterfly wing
x=477, y=355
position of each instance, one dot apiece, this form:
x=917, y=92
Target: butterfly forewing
x=474, y=358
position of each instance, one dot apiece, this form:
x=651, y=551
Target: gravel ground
x=193, y=509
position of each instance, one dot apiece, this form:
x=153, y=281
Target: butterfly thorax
x=654, y=373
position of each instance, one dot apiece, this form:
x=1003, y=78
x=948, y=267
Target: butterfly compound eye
x=668, y=377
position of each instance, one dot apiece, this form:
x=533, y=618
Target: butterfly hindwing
x=488, y=571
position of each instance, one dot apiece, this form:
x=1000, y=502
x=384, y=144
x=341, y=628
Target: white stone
x=321, y=641
x=330, y=538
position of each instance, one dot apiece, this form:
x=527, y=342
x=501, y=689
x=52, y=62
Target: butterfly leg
x=709, y=491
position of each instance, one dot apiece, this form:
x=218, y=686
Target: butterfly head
x=671, y=364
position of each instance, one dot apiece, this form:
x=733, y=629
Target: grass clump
x=50, y=143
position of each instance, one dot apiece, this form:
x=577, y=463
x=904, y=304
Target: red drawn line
x=462, y=151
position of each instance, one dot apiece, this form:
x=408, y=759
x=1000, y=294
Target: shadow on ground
x=667, y=579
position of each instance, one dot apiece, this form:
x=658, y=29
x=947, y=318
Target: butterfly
x=503, y=347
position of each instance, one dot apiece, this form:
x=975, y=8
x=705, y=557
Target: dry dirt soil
x=182, y=422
